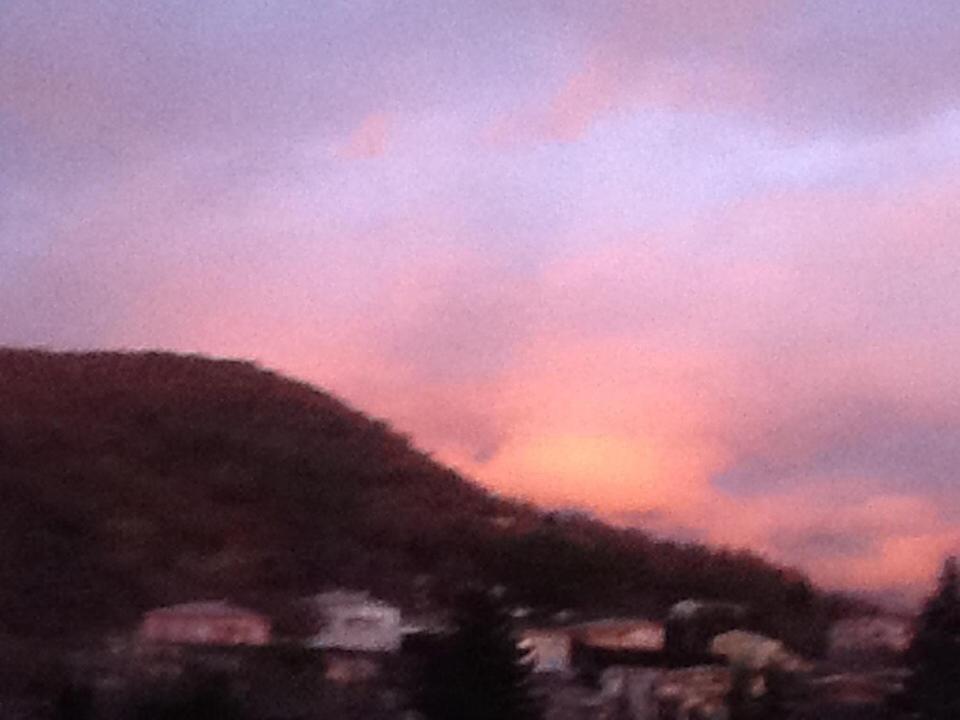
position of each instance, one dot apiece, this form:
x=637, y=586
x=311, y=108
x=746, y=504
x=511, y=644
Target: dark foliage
x=932, y=691
x=129, y=481
x=689, y=636
x=75, y=702
x=478, y=672
x=741, y=704
x=203, y=698
x=783, y=694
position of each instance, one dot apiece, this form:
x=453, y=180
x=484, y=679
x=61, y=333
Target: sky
x=692, y=267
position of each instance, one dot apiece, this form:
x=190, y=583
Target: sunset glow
x=693, y=270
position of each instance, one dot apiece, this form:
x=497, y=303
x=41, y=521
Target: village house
x=347, y=667
x=556, y=649
x=756, y=652
x=549, y=649
x=205, y=623
x=348, y=620
x=876, y=638
x=603, y=644
x=623, y=634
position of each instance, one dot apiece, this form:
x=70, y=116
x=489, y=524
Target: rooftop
x=205, y=608
x=334, y=598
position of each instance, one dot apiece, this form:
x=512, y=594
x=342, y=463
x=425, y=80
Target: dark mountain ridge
x=131, y=480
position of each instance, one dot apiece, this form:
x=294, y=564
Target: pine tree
x=202, y=698
x=75, y=702
x=740, y=701
x=478, y=672
x=932, y=691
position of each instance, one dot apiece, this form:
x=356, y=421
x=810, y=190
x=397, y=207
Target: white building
x=347, y=620
x=550, y=649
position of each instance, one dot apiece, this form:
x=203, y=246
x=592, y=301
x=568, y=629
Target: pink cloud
x=903, y=538
x=630, y=376
x=625, y=378
x=607, y=85
x=658, y=55
x=798, y=70
x=646, y=371
x=594, y=90
x=369, y=140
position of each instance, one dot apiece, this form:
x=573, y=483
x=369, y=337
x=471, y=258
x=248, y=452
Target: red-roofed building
x=205, y=623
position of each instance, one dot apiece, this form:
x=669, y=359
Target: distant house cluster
x=695, y=633
x=685, y=666
x=680, y=666
x=660, y=668
x=339, y=619
x=353, y=630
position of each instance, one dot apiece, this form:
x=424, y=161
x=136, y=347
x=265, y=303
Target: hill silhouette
x=130, y=480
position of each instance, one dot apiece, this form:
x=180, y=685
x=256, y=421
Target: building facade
x=874, y=637
x=623, y=634
x=549, y=650
x=205, y=623
x=347, y=620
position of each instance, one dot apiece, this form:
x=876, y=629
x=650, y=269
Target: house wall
x=869, y=635
x=549, y=652
x=346, y=668
x=206, y=630
x=372, y=627
x=625, y=635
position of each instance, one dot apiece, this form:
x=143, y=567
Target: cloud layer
x=693, y=270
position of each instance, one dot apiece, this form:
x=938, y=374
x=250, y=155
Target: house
x=565, y=648
x=346, y=667
x=549, y=649
x=756, y=652
x=623, y=634
x=877, y=638
x=857, y=688
x=205, y=623
x=612, y=642
x=348, y=620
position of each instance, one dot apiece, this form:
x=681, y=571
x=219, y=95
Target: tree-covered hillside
x=132, y=480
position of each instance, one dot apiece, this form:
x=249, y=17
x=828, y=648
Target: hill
x=133, y=480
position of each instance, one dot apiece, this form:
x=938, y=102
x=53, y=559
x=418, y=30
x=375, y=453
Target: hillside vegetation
x=133, y=480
